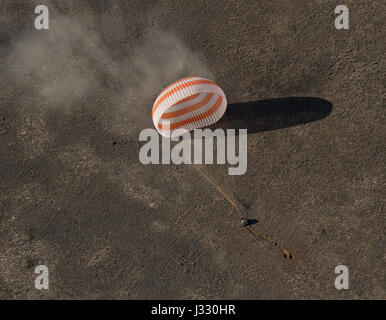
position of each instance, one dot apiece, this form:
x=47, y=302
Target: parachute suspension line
x=243, y=212
x=229, y=197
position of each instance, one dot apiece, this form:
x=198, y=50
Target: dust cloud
x=71, y=63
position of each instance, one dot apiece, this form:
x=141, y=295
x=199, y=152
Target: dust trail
x=80, y=69
x=71, y=63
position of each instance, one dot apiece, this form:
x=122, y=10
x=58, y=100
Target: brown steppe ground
x=75, y=197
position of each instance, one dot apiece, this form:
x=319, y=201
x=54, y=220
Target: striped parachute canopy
x=188, y=104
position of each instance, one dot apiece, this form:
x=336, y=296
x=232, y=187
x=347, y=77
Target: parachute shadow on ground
x=272, y=114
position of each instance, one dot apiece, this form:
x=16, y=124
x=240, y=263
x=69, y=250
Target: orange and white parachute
x=188, y=104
